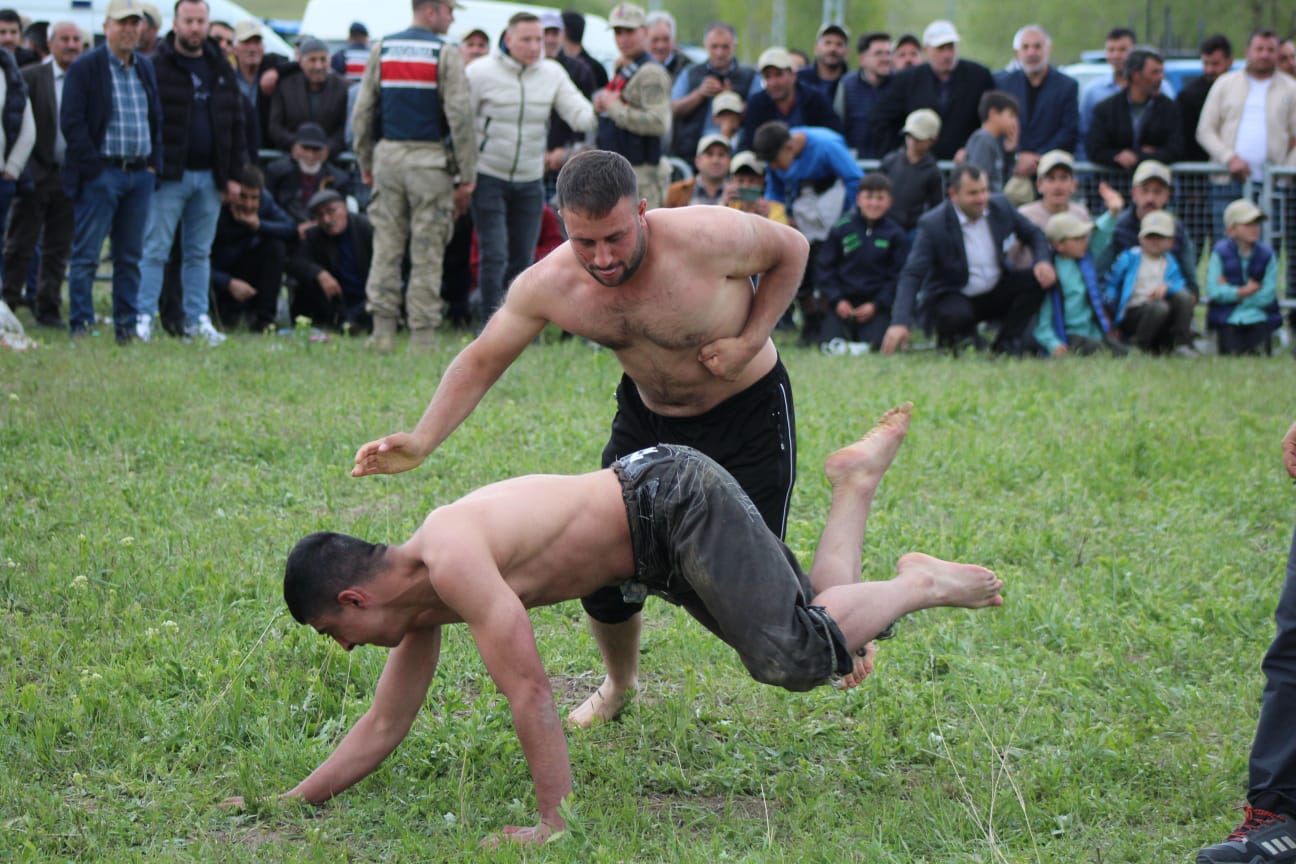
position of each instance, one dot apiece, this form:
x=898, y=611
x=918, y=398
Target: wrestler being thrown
x=667, y=518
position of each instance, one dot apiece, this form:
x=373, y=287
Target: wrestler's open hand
x=726, y=358
x=1289, y=451
x=519, y=834
x=390, y=455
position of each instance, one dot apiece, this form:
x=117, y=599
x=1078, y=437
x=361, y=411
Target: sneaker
x=1262, y=838
x=204, y=330
x=834, y=347
x=144, y=328
x=1186, y=351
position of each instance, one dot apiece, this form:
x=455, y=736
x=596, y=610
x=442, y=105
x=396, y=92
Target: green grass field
x=1138, y=511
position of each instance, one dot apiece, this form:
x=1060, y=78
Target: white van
x=90, y=14
x=330, y=19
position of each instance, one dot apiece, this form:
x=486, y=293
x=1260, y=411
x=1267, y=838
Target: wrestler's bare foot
x=603, y=705
x=864, y=462
x=948, y=583
x=863, y=669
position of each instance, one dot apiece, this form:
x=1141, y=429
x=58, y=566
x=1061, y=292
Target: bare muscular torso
x=552, y=538
x=690, y=290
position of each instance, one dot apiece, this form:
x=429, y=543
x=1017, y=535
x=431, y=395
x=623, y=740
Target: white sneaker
x=204, y=330
x=144, y=328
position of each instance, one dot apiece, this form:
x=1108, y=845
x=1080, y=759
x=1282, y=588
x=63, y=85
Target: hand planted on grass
x=1289, y=451
x=895, y=339
x=390, y=455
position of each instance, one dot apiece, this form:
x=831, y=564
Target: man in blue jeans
x=1268, y=831
x=203, y=149
x=112, y=121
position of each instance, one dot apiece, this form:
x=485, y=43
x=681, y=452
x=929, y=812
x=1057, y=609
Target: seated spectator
x=315, y=96
x=293, y=180
x=694, y=92
x=1057, y=188
x=946, y=83
x=248, y=257
x=727, y=109
x=707, y=186
x=1150, y=192
x=1139, y=122
x=1046, y=100
x=858, y=267
x=916, y=184
x=745, y=190
x=1146, y=289
x=859, y=93
x=958, y=274
x=906, y=54
x=349, y=60
x=989, y=146
x=332, y=265
x=829, y=66
x=1241, y=283
x=1073, y=319
x=784, y=99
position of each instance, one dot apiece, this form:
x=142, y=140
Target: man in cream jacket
x=512, y=93
x=1249, y=118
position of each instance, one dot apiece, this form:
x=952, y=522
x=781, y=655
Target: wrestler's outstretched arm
x=397, y=699
x=463, y=384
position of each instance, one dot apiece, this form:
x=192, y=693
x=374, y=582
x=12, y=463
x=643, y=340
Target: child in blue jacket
x=1241, y=283
x=1147, y=293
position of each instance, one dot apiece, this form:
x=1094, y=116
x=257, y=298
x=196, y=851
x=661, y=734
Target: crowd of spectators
x=412, y=177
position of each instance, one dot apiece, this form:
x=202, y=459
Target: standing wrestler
x=673, y=293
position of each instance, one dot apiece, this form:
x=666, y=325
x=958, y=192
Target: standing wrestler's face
x=611, y=247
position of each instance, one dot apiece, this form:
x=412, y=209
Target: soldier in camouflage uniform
x=413, y=97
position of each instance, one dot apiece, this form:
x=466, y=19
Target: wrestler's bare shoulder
x=709, y=230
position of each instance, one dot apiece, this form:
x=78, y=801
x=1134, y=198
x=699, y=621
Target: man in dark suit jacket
x=959, y=264
x=318, y=95
x=111, y=118
x=1139, y=122
x=1048, y=100
x=332, y=265
x=948, y=85
x=41, y=203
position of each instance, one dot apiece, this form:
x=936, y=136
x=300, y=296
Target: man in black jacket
x=332, y=265
x=247, y=262
x=317, y=95
x=294, y=179
x=947, y=84
x=785, y=99
x=1139, y=122
x=959, y=263
x=203, y=143
x=43, y=206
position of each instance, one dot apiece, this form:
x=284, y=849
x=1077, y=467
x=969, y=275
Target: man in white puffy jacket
x=512, y=93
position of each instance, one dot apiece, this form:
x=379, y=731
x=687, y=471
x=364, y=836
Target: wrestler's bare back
x=551, y=538
x=693, y=287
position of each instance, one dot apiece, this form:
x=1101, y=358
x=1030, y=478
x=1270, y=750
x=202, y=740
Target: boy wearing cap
x=1241, y=283
x=1056, y=184
x=635, y=108
x=727, y=109
x=1072, y=318
x=858, y=268
x=785, y=99
x=707, y=186
x=916, y=184
x=1150, y=192
x=1151, y=303
x=745, y=190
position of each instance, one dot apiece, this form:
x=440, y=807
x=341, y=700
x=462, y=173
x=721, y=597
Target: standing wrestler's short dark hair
x=595, y=181
x=323, y=564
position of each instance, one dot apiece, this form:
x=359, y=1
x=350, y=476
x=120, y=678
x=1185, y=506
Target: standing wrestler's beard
x=628, y=267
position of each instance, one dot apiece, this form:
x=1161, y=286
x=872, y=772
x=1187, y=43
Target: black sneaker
x=1262, y=838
